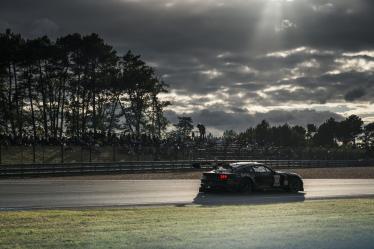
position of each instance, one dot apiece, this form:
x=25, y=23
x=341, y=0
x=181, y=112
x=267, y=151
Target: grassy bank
x=76, y=154
x=310, y=224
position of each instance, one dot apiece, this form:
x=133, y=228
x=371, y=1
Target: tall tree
x=229, y=136
x=262, y=133
x=368, y=137
x=158, y=121
x=311, y=130
x=93, y=65
x=184, y=127
x=326, y=134
x=141, y=82
x=10, y=50
x=348, y=129
x=75, y=86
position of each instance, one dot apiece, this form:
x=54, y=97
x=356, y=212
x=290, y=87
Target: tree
x=311, y=130
x=184, y=127
x=326, y=134
x=247, y=137
x=141, y=81
x=262, y=133
x=202, y=131
x=229, y=136
x=45, y=75
x=368, y=138
x=91, y=65
x=10, y=51
x=158, y=121
x=78, y=87
x=348, y=129
x=298, y=136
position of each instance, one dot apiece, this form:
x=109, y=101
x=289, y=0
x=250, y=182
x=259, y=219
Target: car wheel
x=294, y=186
x=246, y=187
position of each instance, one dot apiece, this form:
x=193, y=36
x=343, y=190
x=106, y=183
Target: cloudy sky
x=232, y=63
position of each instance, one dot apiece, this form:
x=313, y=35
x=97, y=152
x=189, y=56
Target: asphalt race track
x=36, y=193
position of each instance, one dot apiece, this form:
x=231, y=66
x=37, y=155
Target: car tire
x=246, y=187
x=295, y=186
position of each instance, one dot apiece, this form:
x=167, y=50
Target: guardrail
x=28, y=170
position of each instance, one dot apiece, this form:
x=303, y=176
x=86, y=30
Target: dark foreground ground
x=328, y=224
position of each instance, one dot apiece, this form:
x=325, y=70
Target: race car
x=249, y=176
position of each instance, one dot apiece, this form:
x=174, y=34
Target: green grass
x=52, y=154
x=309, y=224
x=72, y=154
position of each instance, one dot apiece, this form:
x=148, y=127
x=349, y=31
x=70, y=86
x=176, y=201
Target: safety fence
x=29, y=170
x=52, y=154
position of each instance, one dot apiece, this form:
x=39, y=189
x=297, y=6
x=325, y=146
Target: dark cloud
x=355, y=94
x=256, y=52
x=43, y=27
x=203, y=27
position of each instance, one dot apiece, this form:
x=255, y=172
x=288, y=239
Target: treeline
x=350, y=132
x=77, y=87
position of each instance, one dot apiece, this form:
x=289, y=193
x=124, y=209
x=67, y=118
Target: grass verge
x=309, y=224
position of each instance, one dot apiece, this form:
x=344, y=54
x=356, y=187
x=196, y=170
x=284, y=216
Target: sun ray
x=265, y=35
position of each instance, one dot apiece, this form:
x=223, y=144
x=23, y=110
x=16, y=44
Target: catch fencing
x=30, y=170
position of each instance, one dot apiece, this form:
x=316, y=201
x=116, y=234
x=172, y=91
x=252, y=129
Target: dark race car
x=249, y=176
